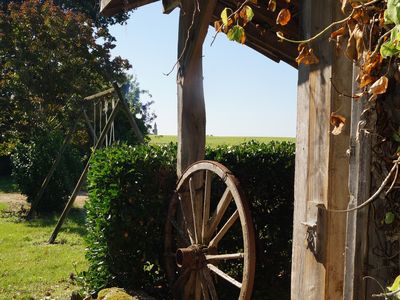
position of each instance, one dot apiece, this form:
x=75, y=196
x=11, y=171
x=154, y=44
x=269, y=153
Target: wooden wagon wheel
x=207, y=205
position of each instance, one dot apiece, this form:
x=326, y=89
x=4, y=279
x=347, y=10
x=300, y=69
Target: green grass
x=32, y=269
x=214, y=141
x=7, y=185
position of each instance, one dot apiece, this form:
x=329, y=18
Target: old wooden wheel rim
x=191, y=268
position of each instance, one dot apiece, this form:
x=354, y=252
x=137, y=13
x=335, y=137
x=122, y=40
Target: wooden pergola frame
x=328, y=260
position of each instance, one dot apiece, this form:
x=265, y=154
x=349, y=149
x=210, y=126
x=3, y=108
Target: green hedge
x=129, y=190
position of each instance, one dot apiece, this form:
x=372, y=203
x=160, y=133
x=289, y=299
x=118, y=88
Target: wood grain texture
x=321, y=163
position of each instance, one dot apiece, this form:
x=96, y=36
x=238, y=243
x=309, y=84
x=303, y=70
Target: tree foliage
x=90, y=8
x=50, y=59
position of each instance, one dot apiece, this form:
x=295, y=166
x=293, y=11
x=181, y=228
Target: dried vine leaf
x=379, y=86
x=338, y=121
x=272, y=5
x=283, y=17
x=246, y=14
x=355, y=44
x=306, y=55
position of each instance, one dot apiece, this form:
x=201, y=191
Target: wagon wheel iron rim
x=194, y=230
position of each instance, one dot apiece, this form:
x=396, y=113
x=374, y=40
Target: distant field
x=213, y=141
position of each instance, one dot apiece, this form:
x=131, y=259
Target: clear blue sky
x=246, y=94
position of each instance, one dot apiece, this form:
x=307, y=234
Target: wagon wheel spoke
x=196, y=213
x=221, y=233
x=204, y=289
x=189, y=286
x=197, y=291
x=179, y=231
x=209, y=284
x=219, y=211
x=179, y=282
x=225, y=276
x=227, y=256
x=187, y=218
x=206, y=204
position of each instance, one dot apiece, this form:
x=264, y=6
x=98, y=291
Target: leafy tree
x=89, y=7
x=50, y=60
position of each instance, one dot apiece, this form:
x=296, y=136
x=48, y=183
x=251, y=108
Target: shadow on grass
x=74, y=222
x=7, y=185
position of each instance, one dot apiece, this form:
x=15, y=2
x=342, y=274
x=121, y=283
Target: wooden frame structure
x=120, y=105
x=329, y=249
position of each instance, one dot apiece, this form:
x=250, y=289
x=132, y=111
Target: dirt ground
x=18, y=199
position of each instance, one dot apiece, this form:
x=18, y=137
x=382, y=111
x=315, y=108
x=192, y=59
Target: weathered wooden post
x=322, y=166
x=194, y=20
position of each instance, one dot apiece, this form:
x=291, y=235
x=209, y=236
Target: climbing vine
x=369, y=35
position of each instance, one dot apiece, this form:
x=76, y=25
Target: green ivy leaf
x=392, y=46
x=392, y=13
x=225, y=15
x=396, y=285
x=236, y=33
x=389, y=218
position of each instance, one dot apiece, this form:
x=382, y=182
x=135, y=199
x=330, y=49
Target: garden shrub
x=130, y=188
x=32, y=162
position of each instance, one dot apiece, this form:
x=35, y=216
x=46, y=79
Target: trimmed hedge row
x=129, y=191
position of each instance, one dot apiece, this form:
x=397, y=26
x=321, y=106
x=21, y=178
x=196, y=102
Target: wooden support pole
x=100, y=94
x=322, y=167
x=78, y=185
x=128, y=113
x=50, y=174
x=194, y=20
x=90, y=127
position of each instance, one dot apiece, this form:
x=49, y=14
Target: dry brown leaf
x=366, y=79
x=283, y=17
x=338, y=33
x=338, y=121
x=379, y=86
x=218, y=26
x=272, y=5
x=355, y=44
x=306, y=55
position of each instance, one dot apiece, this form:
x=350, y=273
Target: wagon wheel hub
x=192, y=257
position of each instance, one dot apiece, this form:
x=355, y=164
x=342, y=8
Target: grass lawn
x=214, y=141
x=32, y=269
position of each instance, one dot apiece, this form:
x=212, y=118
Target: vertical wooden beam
x=356, y=252
x=194, y=20
x=321, y=178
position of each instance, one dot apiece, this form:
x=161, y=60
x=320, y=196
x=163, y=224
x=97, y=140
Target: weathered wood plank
x=359, y=187
x=321, y=164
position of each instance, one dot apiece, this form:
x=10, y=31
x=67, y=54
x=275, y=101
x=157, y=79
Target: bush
x=130, y=189
x=31, y=164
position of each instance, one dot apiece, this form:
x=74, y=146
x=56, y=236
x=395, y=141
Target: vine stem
x=279, y=34
x=375, y=195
